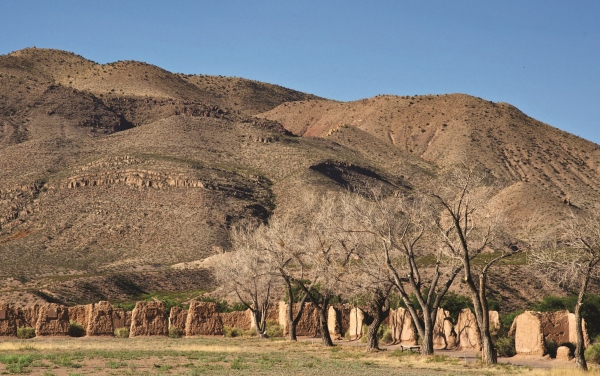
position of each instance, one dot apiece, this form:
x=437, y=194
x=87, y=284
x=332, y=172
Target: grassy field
x=250, y=356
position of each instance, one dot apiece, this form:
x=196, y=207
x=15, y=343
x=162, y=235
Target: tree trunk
x=291, y=319
x=427, y=337
x=580, y=346
x=323, y=311
x=381, y=312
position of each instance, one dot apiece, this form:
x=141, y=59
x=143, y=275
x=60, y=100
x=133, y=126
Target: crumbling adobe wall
x=338, y=320
x=308, y=325
x=527, y=330
x=467, y=331
x=237, y=319
x=177, y=319
x=402, y=326
x=27, y=316
x=8, y=320
x=203, y=319
x=100, y=319
x=148, y=319
x=53, y=320
x=444, y=336
x=79, y=315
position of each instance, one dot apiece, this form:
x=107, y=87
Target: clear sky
x=542, y=56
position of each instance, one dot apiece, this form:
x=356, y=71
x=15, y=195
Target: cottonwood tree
x=323, y=258
x=247, y=271
x=401, y=226
x=368, y=279
x=467, y=228
x=571, y=260
x=280, y=238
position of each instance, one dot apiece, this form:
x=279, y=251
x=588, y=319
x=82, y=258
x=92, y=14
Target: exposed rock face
x=308, y=325
x=177, y=319
x=148, y=319
x=467, y=331
x=79, y=315
x=237, y=319
x=121, y=318
x=527, y=330
x=203, y=319
x=8, y=320
x=338, y=320
x=444, y=335
x=28, y=316
x=100, y=319
x=53, y=320
x=402, y=326
x=563, y=353
x=357, y=318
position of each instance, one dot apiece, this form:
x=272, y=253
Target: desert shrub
x=385, y=334
x=506, y=346
x=249, y=332
x=25, y=333
x=122, y=333
x=16, y=363
x=551, y=346
x=76, y=329
x=454, y=303
x=232, y=331
x=506, y=321
x=274, y=329
x=592, y=353
x=127, y=306
x=174, y=332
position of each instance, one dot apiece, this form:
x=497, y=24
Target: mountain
x=115, y=176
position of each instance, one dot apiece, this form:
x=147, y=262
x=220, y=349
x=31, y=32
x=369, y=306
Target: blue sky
x=541, y=56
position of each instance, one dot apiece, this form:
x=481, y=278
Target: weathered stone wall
x=8, y=320
x=148, y=319
x=357, y=318
x=121, y=318
x=203, y=319
x=177, y=319
x=53, y=320
x=402, y=326
x=238, y=319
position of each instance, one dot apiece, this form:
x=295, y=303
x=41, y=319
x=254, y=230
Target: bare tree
x=247, y=271
x=467, y=229
x=400, y=225
x=572, y=261
x=323, y=259
x=281, y=240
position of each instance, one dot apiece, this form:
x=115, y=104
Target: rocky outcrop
x=53, y=320
x=8, y=320
x=237, y=319
x=467, y=331
x=527, y=330
x=402, y=326
x=148, y=319
x=203, y=319
x=100, y=319
x=177, y=319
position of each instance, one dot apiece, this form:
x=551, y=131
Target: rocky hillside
x=120, y=170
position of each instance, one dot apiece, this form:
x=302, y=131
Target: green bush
x=122, y=333
x=174, y=332
x=592, y=353
x=16, y=363
x=232, y=332
x=274, y=329
x=25, y=333
x=454, y=303
x=552, y=346
x=506, y=346
x=76, y=329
